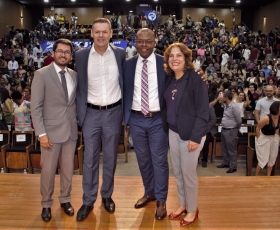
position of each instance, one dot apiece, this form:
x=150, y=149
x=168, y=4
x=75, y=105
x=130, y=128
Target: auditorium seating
x=34, y=155
x=4, y=139
x=14, y=154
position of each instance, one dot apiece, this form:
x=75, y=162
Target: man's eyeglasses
x=67, y=52
x=141, y=42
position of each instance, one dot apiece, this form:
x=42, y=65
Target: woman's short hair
x=187, y=54
x=274, y=108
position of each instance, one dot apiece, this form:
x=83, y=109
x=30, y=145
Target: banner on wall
x=48, y=45
x=151, y=15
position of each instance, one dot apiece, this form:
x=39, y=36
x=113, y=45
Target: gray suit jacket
x=51, y=112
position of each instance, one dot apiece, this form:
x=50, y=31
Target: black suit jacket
x=192, y=109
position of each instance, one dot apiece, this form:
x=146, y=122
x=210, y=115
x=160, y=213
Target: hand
x=200, y=72
x=45, y=142
x=192, y=146
x=246, y=91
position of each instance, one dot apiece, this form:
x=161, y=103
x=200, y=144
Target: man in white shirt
x=263, y=105
x=12, y=66
x=246, y=53
x=150, y=141
x=63, y=30
x=99, y=112
x=39, y=61
x=130, y=50
x=225, y=60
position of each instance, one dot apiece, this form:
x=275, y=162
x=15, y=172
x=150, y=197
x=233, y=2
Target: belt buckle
x=149, y=114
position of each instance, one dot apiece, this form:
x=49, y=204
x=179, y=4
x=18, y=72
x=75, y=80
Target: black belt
x=149, y=114
x=229, y=129
x=105, y=107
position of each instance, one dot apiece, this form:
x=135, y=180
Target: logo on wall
x=152, y=16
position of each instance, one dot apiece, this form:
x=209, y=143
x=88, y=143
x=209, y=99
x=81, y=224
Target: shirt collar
x=273, y=98
x=58, y=69
x=92, y=51
x=151, y=58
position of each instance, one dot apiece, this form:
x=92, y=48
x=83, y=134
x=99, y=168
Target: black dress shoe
x=231, y=170
x=68, y=209
x=204, y=164
x=142, y=202
x=46, y=214
x=83, y=212
x=222, y=166
x=109, y=204
x=160, y=211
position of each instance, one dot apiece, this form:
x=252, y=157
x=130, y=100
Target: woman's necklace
x=174, y=91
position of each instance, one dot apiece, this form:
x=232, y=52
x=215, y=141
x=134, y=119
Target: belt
x=105, y=107
x=149, y=114
x=228, y=128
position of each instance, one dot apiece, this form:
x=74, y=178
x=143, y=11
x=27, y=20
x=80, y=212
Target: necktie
x=63, y=82
x=144, y=89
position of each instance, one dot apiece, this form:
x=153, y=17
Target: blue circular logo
x=152, y=16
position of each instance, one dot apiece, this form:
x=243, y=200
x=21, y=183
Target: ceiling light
x=127, y=0
x=238, y=1
x=100, y=0
x=108, y=11
x=183, y=0
x=73, y=0
x=46, y=0
x=131, y=11
x=155, y=0
x=210, y=0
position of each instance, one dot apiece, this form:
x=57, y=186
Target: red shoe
x=173, y=216
x=185, y=223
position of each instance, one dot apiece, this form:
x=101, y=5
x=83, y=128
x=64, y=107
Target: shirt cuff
x=42, y=134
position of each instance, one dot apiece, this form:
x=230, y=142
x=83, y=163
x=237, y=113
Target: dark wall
x=247, y=16
x=37, y=13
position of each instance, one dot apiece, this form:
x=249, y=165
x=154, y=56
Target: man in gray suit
x=99, y=110
x=54, y=119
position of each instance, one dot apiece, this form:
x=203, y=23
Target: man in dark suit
x=144, y=80
x=99, y=110
x=54, y=119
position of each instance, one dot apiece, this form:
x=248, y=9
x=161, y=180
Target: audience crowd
x=237, y=59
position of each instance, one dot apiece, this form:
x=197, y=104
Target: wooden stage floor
x=224, y=202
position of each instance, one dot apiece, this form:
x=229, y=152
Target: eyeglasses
x=67, y=52
x=141, y=42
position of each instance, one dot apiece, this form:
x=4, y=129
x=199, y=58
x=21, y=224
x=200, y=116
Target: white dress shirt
x=12, y=65
x=103, y=78
x=68, y=78
x=152, y=82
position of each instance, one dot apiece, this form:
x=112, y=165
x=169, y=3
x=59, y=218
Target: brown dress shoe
x=161, y=210
x=142, y=202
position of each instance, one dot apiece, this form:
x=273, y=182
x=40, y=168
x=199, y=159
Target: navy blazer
x=129, y=68
x=192, y=109
x=81, y=60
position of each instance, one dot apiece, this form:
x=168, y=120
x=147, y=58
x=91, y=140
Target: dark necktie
x=63, y=82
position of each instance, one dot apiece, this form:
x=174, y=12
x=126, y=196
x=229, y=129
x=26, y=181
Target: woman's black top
x=170, y=99
x=270, y=129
